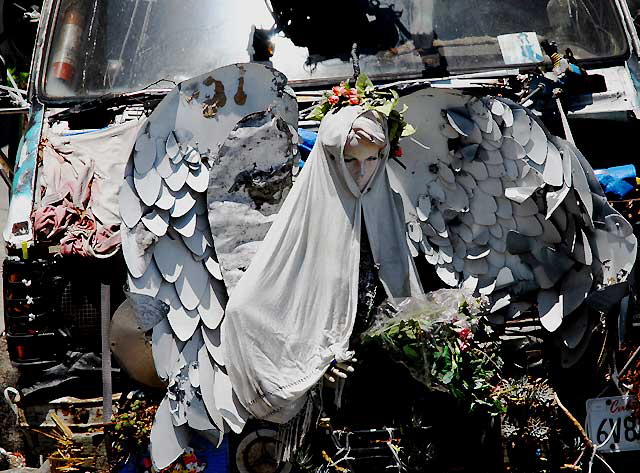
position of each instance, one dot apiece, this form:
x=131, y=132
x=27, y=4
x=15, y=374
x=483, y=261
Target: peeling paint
x=194, y=96
x=250, y=179
x=211, y=106
x=279, y=81
x=241, y=96
x=264, y=187
x=22, y=188
x=27, y=163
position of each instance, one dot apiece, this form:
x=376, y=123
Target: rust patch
x=240, y=97
x=194, y=96
x=211, y=106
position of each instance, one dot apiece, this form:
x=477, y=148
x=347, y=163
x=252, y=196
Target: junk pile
x=11, y=460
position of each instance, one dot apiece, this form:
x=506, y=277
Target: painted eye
x=372, y=158
x=349, y=160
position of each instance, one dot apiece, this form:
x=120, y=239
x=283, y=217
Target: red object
x=64, y=71
x=66, y=53
x=398, y=152
x=464, y=333
x=354, y=100
x=339, y=90
x=334, y=99
x=20, y=352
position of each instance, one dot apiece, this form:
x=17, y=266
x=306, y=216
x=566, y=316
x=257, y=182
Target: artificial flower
x=465, y=333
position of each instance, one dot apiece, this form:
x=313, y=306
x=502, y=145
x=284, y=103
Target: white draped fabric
x=294, y=309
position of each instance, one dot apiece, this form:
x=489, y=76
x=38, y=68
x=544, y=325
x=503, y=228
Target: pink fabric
x=79, y=180
x=50, y=220
x=66, y=217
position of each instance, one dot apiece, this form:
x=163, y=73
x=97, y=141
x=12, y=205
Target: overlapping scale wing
x=506, y=209
x=169, y=249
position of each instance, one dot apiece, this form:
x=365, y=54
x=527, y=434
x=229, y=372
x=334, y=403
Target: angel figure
x=340, y=231
x=211, y=214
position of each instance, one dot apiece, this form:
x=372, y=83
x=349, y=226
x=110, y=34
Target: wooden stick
x=575, y=422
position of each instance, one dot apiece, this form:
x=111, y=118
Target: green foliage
x=459, y=356
x=21, y=78
x=364, y=85
x=319, y=111
x=132, y=428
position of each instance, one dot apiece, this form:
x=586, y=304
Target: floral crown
x=364, y=93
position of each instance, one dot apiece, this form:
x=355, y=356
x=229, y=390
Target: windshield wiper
x=149, y=98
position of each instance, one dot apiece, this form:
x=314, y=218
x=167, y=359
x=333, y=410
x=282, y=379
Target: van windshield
x=114, y=46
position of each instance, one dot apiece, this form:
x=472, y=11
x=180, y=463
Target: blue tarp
x=617, y=181
x=216, y=459
x=308, y=139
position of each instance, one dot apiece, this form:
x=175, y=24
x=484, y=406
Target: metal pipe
x=13, y=89
x=11, y=111
x=533, y=92
x=105, y=329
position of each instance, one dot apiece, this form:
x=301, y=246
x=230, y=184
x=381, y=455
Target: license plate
x=607, y=414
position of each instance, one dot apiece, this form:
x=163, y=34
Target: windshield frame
x=47, y=31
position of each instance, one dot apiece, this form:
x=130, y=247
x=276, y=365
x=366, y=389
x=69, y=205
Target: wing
x=169, y=249
x=503, y=208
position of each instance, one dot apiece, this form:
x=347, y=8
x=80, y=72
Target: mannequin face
x=362, y=160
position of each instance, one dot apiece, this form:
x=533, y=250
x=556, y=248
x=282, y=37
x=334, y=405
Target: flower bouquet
x=442, y=341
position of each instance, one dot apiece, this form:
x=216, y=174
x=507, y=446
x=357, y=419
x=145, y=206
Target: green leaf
x=446, y=379
x=363, y=83
x=410, y=352
x=393, y=330
x=385, y=109
x=319, y=111
x=446, y=352
x=408, y=130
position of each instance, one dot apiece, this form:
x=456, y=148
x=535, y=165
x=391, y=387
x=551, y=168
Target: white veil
x=294, y=309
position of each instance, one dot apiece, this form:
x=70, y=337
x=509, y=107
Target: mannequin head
x=362, y=149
